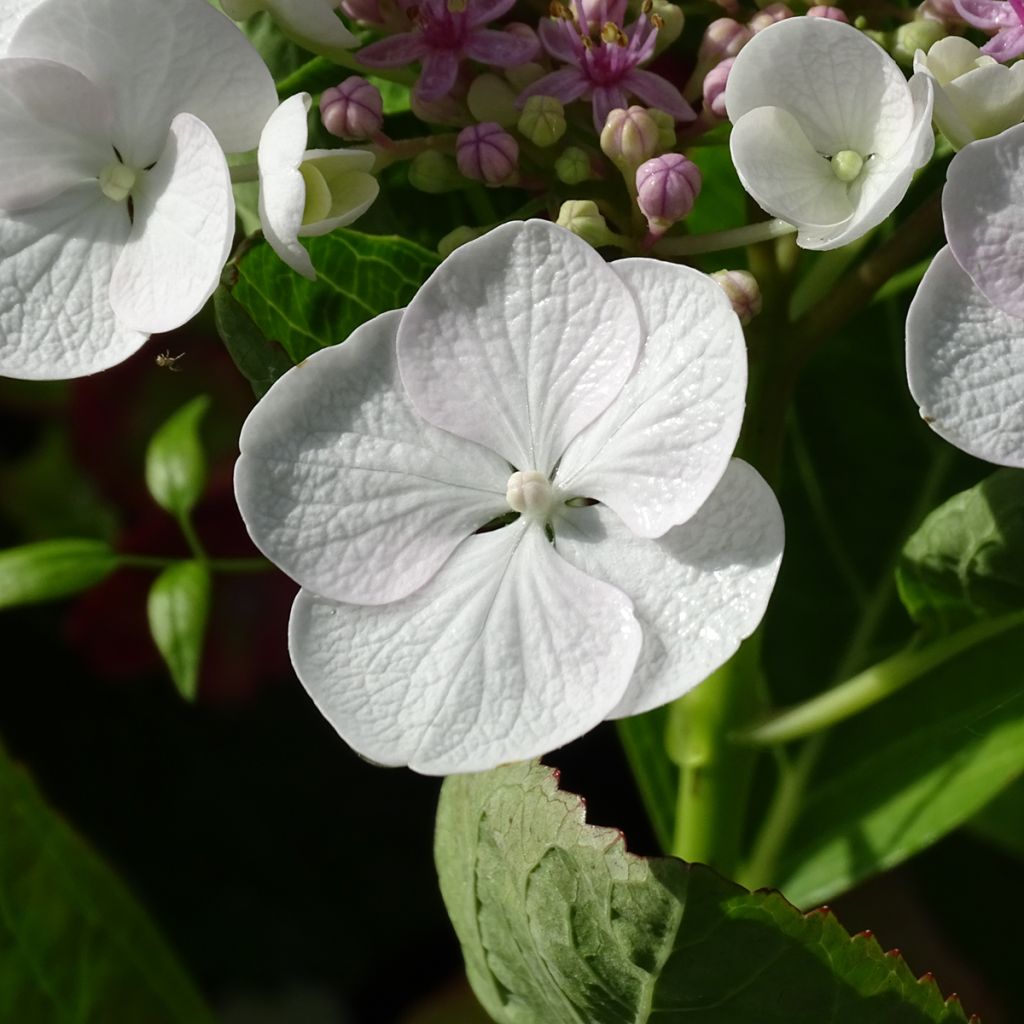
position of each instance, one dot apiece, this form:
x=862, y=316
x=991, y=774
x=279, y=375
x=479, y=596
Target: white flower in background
x=313, y=24
x=307, y=191
x=965, y=332
x=975, y=96
x=116, y=212
x=587, y=413
x=827, y=133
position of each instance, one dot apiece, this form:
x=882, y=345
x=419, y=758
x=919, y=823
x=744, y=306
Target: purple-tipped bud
x=715, y=82
x=629, y=137
x=769, y=16
x=486, y=152
x=724, y=37
x=666, y=189
x=832, y=13
x=743, y=291
x=353, y=110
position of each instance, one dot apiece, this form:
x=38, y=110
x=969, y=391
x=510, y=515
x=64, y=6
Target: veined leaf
x=558, y=923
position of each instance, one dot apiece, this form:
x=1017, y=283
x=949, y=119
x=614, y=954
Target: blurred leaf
x=75, y=947
x=657, y=778
x=558, y=923
x=260, y=361
x=51, y=569
x=966, y=561
x=1001, y=821
x=722, y=202
x=359, y=276
x=175, y=463
x=898, y=777
x=396, y=97
x=178, y=606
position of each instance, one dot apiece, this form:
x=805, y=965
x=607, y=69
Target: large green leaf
x=75, y=947
x=260, y=361
x=1001, y=821
x=558, y=923
x=966, y=562
x=358, y=276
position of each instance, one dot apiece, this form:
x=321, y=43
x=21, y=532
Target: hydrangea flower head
x=116, y=210
x=444, y=33
x=511, y=506
x=604, y=62
x=827, y=133
x=1005, y=18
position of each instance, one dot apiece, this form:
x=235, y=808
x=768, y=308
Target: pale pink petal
x=499, y=49
x=518, y=341
x=654, y=91
x=483, y=12
x=181, y=235
x=561, y=40
x=395, y=52
x=440, y=68
x=606, y=99
x=1006, y=44
x=344, y=487
x=697, y=591
x=565, y=85
x=507, y=653
x=988, y=14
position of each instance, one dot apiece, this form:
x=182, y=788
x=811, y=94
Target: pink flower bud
x=714, y=87
x=666, y=189
x=743, y=291
x=486, y=152
x=832, y=13
x=769, y=16
x=723, y=38
x=352, y=110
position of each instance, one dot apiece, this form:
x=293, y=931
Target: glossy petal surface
x=518, y=341
x=965, y=365
x=342, y=485
x=507, y=653
x=657, y=452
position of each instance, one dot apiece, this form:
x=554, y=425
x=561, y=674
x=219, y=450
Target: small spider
x=166, y=361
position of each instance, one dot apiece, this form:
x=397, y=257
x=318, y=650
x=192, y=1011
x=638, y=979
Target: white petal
x=659, y=449
x=518, y=340
x=787, y=176
x=983, y=207
x=991, y=98
x=157, y=58
x=965, y=365
x=56, y=130
x=506, y=654
x=845, y=91
x=184, y=223
x=56, y=259
x=313, y=24
x=697, y=591
x=346, y=488
x=11, y=14
x=282, y=189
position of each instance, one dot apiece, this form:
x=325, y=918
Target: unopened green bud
x=523, y=75
x=914, y=36
x=666, y=129
x=573, y=166
x=435, y=173
x=583, y=218
x=670, y=23
x=629, y=137
x=459, y=236
x=491, y=98
x=542, y=120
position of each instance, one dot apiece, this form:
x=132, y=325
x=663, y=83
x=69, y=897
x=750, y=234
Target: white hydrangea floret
x=827, y=133
x=313, y=24
x=305, y=192
x=975, y=96
x=512, y=506
x=116, y=211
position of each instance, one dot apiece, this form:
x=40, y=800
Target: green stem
x=875, y=683
x=715, y=773
x=191, y=537
x=732, y=238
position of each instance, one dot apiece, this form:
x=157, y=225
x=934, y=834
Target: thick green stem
x=733, y=238
x=715, y=773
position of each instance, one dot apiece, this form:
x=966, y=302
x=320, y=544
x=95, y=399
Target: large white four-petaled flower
x=511, y=506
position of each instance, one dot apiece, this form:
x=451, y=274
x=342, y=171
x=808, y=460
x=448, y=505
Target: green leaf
x=722, y=201
x=558, y=923
x=178, y=606
x=260, y=361
x=1001, y=821
x=175, y=464
x=359, y=276
x=643, y=739
x=898, y=777
x=75, y=947
x=966, y=561
x=51, y=569
x=397, y=97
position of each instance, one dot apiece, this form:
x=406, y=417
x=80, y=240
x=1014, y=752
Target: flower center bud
x=117, y=181
x=318, y=195
x=846, y=165
x=530, y=492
